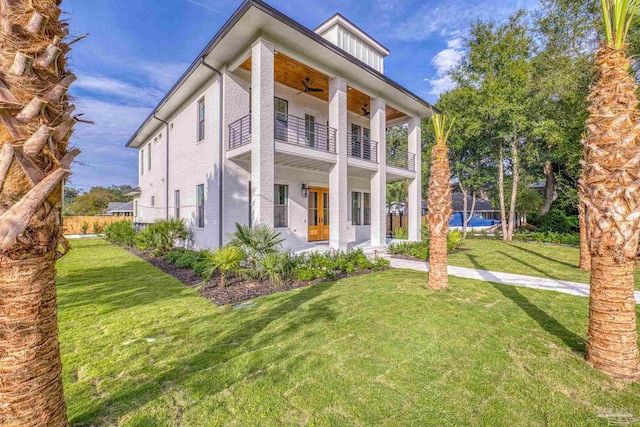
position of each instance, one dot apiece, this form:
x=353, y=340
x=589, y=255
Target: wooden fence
x=75, y=224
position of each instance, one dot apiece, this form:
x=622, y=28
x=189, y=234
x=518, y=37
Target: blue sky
x=138, y=48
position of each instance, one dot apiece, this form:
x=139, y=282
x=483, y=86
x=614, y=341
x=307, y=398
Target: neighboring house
x=280, y=125
x=120, y=209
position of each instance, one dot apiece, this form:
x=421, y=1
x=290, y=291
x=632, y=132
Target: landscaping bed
x=253, y=264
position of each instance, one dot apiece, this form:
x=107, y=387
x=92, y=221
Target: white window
x=176, y=201
x=201, y=116
x=142, y=162
x=366, y=212
x=281, y=211
x=153, y=200
x=149, y=157
x=200, y=205
x=356, y=208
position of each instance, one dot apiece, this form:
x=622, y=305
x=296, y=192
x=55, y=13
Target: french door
x=318, y=214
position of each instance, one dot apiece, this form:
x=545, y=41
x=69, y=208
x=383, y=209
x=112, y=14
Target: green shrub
x=420, y=249
x=272, y=268
x=401, y=233
x=85, y=227
x=556, y=221
x=570, y=239
x=97, y=229
x=257, y=241
x=225, y=260
x=122, y=233
x=183, y=258
x=161, y=236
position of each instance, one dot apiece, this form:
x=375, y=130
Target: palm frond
x=617, y=16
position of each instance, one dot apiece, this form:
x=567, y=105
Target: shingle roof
x=120, y=207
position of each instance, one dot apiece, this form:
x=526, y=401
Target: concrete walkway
x=564, y=286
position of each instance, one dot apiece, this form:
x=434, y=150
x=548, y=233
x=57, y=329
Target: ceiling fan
x=309, y=89
x=365, y=113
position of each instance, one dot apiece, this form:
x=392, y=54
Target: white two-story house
x=276, y=124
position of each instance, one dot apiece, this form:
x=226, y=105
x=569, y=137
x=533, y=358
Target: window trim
x=200, y=215
x=201, y=121
x=286, y=205
x=366, y=196
x=142, y=161
x=149, y=156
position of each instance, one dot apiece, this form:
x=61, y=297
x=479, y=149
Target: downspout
x=166, y=172
x=221, y=145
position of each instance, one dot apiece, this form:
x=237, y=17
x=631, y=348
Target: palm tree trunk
x=611, y=181
x=35, y=125
x=31, y=377
x=440, y=211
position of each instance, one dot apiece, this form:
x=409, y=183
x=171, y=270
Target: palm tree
x=35, y=125
x=439, y=204
x=227, y=259
x=611, y=180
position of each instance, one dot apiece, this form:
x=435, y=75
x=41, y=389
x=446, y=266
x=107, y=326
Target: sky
x=137, y=49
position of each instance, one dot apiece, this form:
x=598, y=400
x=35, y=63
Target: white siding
x=357, y=47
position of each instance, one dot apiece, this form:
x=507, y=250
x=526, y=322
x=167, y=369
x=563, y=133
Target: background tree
x=612, y=185
x=439, y=204
x=36, y=122
x=96, y=201
x=497, y=66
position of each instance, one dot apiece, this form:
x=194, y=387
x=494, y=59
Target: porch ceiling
x=292, y=73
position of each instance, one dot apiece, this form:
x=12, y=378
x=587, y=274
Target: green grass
x=140, y=349
x=532, y=259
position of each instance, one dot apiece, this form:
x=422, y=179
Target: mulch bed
x=236, y=289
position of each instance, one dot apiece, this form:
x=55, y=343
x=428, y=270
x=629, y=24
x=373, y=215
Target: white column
x=262, y=133
x=415, y=185
x=338, y=201
x=379, y=181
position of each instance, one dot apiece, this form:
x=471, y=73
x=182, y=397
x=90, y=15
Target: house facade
x=280, y=125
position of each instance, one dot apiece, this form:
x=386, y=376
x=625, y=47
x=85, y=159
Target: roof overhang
x=254, y=19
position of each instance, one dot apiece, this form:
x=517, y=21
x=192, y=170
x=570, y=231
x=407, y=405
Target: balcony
x=401, y=158
x=297, y=131
x=363, y=148
x=288, y=129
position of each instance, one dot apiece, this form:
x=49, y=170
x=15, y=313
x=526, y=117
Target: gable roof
x=339, y=19
x=261, y=17
x=120, y=207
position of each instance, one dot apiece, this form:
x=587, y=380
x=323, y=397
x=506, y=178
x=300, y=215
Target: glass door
x=318, y=212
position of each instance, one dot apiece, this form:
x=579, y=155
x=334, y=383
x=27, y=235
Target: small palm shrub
x=122, y=233
x=273, y=267
x=225, y=260
x=401, y=233
x=84, y=227
x=161, y=236
x=257, y=241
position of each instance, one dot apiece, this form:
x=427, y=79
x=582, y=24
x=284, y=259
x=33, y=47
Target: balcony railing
x=240, y=132
x=306, y=133
x=363, y=148
x=401, y=158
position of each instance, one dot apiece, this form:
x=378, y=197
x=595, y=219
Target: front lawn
x=532, y=259
x=141, y=349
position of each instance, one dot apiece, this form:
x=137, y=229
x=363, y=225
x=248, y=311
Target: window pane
x=366, y=202
x=201, y=117
x=177, y=204
x=355, y=208
x=281, y=196
x=200, y=204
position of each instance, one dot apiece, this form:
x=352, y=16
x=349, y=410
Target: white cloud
x=161, y=74
x=208, y=5
x=447, y=17
x=112, y=87
x=444, y=62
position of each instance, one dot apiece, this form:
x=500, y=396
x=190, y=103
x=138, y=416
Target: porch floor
x=365, y=245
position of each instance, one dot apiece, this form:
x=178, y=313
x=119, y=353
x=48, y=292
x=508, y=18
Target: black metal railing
x=240, y=132
x=363, y=148
x=401, y=158
x=297, y=131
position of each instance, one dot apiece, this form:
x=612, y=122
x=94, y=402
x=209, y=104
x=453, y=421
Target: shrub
x=84, y=227
x=162, y=235
x=454, y=240
x=420, y=250
x=122, y=233
x=257, y=241
x=570, y=239
x=401, y=233
x=97, y=229
x=225, y=260
x=272, y=268
x=183, y=258
x=555, y=221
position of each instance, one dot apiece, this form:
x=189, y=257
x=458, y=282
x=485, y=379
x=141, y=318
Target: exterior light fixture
x=305, y=190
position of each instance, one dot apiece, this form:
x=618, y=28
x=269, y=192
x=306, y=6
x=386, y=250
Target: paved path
x=564, y=286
